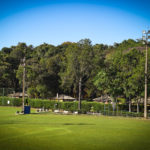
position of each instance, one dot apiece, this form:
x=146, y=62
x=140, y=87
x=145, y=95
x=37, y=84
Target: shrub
x=39, y=103
x=105, y=109
x=12, y=101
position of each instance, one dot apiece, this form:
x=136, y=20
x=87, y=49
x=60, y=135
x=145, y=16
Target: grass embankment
x=71, y=132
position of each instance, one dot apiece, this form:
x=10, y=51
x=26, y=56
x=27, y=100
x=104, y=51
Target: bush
x=105, y=109
x=69, y=106
x=47, y=104
x=86, y=107
x=12, y=101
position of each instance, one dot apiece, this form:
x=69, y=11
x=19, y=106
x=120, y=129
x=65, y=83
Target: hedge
x=51, y=104
x=95, y=107
x=7, y=101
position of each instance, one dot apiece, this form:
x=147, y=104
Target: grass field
x=49, y=131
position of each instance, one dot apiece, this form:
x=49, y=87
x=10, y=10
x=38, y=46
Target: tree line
x=80, y=69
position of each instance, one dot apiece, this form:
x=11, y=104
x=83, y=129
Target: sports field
x=49, y=131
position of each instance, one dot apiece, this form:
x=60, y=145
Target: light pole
x=146, y=37
x=23, y=83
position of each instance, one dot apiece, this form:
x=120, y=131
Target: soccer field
x=49, y=131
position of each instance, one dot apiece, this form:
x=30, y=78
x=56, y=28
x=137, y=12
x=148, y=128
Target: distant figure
x=26, y=102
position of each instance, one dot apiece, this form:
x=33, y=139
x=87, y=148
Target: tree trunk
x=80, y=84
x=129, y=105
x=113, y=104
x=138, y=101
x=137, y=106
x=117, y=106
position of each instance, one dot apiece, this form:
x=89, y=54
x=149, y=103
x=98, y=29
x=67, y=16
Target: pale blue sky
x=57, y=21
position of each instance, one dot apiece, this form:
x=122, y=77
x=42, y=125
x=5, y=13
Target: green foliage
x=123, y=76
x=77, y=65
x=51, y=104
x=32, y=92
x=12, y=101
x=105, y=109
x=117, y=70
x=46, y=104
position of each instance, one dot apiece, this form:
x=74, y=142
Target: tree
x=78, y=66
x=8, y=67
x=123, y=76
x=98, y=63
x=132, y=64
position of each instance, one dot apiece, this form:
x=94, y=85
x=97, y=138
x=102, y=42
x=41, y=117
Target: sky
x=56, y=21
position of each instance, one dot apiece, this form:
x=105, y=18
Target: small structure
x=141, y=101
x=63, y=98
x=103, y=99
x=17, y=95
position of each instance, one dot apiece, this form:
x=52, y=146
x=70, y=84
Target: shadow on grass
x=77, y=124
x=38, y=113
x=35, y=113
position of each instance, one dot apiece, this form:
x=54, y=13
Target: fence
x=6, y=91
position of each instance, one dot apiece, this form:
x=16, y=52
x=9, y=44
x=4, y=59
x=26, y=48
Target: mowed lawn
x=49, y=131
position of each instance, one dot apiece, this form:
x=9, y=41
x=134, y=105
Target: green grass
x=71, y=132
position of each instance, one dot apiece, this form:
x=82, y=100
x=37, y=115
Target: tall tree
x=124, y=75
x=78, y=66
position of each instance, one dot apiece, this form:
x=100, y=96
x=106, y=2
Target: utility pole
x=145, y=38
x=23, y=83
x=80, y=84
